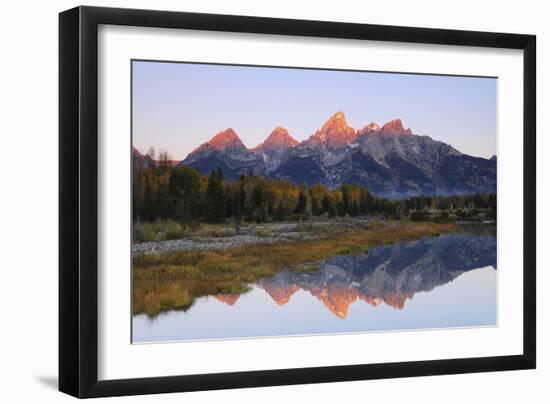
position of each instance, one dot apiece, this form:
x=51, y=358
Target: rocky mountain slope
x=225, y=150
x=274, y=150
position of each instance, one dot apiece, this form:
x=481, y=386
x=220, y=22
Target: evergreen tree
x=326, y=203
x=346, y=200
x=280, y=212
x=163, y=203
x=185, y=193
x=331, y=210
x=302, y=205
x=214, y=204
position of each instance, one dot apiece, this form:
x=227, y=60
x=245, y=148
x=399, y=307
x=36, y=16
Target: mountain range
x=390, y=160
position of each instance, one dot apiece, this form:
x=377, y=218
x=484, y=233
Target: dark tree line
x=183, y=194
x=460, y=206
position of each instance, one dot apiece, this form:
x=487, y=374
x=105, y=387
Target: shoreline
x=173, y=280
x=250, y=234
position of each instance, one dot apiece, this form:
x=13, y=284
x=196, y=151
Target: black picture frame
x=78, y=200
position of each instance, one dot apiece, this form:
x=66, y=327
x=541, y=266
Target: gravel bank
x=248, y=235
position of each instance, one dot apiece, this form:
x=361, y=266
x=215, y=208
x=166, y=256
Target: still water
x=445, y=281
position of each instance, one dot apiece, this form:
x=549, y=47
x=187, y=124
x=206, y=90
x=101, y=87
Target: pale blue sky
x=178, y=106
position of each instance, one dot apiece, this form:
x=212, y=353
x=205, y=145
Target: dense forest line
x=161, y=191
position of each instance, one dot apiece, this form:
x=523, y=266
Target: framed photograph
x=251, y=201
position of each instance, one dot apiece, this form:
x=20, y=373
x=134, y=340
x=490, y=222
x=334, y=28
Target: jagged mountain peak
x=225, y=150
x=337, y=116
x=224, y=139
x=392, y=128
x=278, y=138
x=334, y=133
x=275, y=149
x=370, y=128
x=395, y=128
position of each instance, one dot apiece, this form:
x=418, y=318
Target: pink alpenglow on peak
x=395, y=128
x=335, y=132
x=279, y=138
x=392, y=128
x=370, y=128
x=225, y=139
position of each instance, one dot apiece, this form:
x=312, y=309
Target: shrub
x=174, y=230
x=143, y=232
x=344, y=251
x=159, y=230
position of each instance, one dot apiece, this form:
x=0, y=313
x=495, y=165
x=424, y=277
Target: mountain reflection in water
x=387, y=274
x=445, y=281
